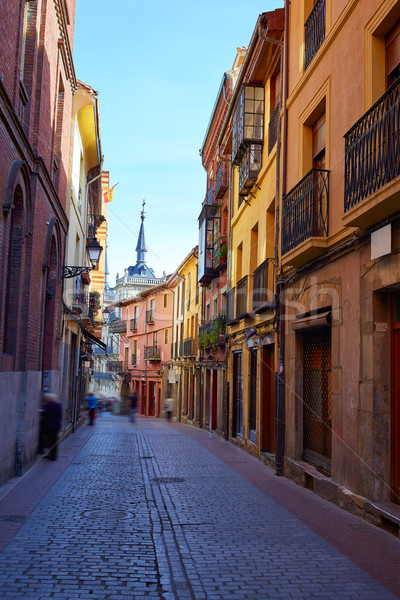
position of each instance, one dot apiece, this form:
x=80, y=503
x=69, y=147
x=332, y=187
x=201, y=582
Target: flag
x=108, y=195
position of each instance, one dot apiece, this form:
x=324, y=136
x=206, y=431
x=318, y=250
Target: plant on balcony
x=204, y=340
x=95, y=302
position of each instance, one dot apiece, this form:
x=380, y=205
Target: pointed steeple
x=141, y=269
x=141, y=243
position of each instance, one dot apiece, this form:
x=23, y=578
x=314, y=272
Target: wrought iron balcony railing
x=189, y=347
x=262, y=293
x=314, y=31
x=117, y=327
x=372, y=149
x=133, y=324
x=273, y=128
x=241, y=297
x=221, y=179
x=114, y=366
x=210, y=194
x=152, y=353
x=150, y=316
x=305, y=210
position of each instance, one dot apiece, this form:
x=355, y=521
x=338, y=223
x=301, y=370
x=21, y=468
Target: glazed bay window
x=248, y=120
x=209, y=231
x=249, y=168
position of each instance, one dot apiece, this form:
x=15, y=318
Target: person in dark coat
x=51, y=423
x=133, y=401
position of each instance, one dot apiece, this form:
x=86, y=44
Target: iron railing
x=189, y=347
x=372, y=149
x=221, y=179
x=133, y=324
x=262, y=294
x=117, y=327
x=305, y=210
x=241, y=297
x=152, y=353
x=210, y=194
x=115, y=366
x=314, y=31
x=149, y=316
x=273, y=128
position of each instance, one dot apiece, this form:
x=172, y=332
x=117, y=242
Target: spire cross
x=142, y=213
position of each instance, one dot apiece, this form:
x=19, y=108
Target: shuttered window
x=393, y=54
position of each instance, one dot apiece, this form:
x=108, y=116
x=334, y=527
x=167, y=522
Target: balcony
x=241, y=298
x=209, y=230
x=314, y=31
x=212, y=333
x=150, y=317
x=152, y=353
x=221, y=179
x=263, y=287
x=133, y=324
x=249, y=168
x=189, y=347
x=230, y=307
x=248, y=120
x=115, y=366
x=220, y=253
x=305, y=218
x=210, y=194
x=273, y=128
x=117, y=327
x=372, y=163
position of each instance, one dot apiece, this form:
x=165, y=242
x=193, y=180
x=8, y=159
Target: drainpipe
x=280, y=306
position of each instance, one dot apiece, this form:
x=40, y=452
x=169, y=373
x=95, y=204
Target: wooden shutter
x=393, y=49
x=319, y=135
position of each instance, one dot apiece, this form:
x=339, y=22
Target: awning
x=94, y=339
x=312, y=321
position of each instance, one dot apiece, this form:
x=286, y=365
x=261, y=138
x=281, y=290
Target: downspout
x=280, y=305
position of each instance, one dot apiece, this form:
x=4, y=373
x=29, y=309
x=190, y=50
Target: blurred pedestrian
x=133, y=401
x=91, y=400
x=51, y=423
x=116, y=406
x=169, y=407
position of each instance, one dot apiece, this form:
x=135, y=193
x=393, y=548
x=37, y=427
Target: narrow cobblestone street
x=161, y=511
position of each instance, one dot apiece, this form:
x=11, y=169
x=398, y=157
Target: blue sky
x=157, y=67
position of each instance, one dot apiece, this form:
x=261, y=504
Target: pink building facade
x=145, y=347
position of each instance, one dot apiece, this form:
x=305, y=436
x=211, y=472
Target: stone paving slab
x=155, y=511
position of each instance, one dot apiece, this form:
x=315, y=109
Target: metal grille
x=317, y=398
x=372, y=149
x=273, y=128
x=305, y=210
x=314, y=30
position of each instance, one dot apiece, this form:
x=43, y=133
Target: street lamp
x=94, y=250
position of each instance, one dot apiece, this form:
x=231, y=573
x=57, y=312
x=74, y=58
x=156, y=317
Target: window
x=126, y=357
x=314, y=31
x=165, y=304
x=155, y=338
x=253, y=396
x=166, y=335
x=392, y=43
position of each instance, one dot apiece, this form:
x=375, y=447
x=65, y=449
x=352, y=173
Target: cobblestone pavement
x=162, y=511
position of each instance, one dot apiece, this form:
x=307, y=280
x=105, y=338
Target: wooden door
x=268, y=399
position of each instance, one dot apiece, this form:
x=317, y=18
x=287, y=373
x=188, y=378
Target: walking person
x=169, y=407
x=91, y=400
x=51, y=423
x=133, y=401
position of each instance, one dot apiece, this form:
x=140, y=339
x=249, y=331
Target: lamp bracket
x=68, y=271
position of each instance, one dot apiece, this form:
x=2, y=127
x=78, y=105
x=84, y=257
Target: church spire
x=141, y=243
